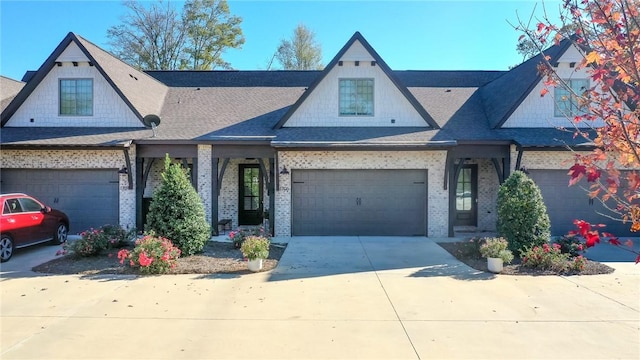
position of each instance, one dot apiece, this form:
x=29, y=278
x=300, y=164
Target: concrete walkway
x=330, y=298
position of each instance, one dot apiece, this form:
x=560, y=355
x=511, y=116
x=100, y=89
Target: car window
x=5, y=208
x=14, y=206
x=29, y=205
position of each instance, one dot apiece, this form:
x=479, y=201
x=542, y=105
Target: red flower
x=144, y=260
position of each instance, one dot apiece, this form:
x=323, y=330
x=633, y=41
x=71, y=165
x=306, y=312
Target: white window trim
x=60, y=97
x=373, y=100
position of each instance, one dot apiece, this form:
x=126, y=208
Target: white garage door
x=89, y=197
x=359, y=202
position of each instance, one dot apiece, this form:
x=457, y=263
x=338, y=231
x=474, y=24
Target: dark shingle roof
x=219, y=106
x=502, y=96
x=9, y=88
x=234, y=78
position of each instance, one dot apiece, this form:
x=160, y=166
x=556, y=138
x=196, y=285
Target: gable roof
x=402, y=88
x=9, y=88
x=141, y=93
x=502, y=96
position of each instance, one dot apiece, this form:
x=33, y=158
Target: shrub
x=152, y=255
x=255, y=247
x=118, y=237
x=91, y=243
x=570, y=244
x=496, y=248
x=176, y=211
x=522, y=215
x=94, y=241
x=545, y=257
x=238, y=236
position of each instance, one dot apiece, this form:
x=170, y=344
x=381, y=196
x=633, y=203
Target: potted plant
x=496, y=252
x=255, y=249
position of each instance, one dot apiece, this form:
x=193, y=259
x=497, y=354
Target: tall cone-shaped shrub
x=522, y=214
x=176, y=211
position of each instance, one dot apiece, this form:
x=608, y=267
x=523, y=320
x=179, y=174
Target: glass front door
x=250, y=209
x=466, y=196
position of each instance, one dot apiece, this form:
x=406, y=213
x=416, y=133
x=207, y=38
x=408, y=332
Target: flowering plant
x=496, y=248
x=238, y=236
x=152, y=255
x=551, y=257
x=93, y=241
x=255, y=247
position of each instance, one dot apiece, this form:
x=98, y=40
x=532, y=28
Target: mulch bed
x=217, y=257
x=461, y=250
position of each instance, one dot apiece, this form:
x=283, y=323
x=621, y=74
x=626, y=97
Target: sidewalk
x=330, y=298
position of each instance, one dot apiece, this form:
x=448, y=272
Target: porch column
x=272, y=195
x=215, y=193
x=139, y=193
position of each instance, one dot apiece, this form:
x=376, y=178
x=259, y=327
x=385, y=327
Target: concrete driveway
x=330, y=298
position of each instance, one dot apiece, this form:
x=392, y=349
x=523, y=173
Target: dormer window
x=76, y=97
x=356, y=97
x=566, y=104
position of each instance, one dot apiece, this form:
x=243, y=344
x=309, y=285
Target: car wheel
x=61, y=234
x=6, y=248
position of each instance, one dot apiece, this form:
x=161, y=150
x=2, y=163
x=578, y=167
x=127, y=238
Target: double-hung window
x=566, y=103
x=356, y=97
x=76, y=97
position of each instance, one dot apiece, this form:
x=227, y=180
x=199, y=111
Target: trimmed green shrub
x=522, y=214
x=177, y=213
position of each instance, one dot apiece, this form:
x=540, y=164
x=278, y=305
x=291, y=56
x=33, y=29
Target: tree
x=301, y=52
x=210, y=29
x=149, y=38
x=159, y=37
x=607, y=34
x=177, y=213
x=522, y=215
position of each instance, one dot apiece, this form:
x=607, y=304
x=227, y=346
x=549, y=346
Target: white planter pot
x=255, y=265
x=494, y=265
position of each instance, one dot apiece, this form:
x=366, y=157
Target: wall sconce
x=124, y=170
x=284, y=171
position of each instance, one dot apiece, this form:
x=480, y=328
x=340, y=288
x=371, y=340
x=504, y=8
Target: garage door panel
x=89, y=197
x=566, y=203
x=359, y=202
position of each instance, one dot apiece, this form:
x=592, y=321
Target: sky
x=408, y=35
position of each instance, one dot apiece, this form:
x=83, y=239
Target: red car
x=26, y=221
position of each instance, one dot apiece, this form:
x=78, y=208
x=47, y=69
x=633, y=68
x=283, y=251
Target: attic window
x=76, y=97
x=566, y=103
x=356, y=97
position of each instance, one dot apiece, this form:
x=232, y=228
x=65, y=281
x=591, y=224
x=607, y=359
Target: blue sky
x=417, y=35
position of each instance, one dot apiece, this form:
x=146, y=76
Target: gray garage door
x=359, y=202
x=88, y=197
x=567, y=203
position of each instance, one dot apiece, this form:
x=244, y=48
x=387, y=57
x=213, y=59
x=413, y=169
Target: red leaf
x=544, y=92
x=521, y=37
x=615, y=241
x=540, y=27
x=592, y=238
x=629, y=243
x=593, y=175
x=638, y=259
x=576, y=172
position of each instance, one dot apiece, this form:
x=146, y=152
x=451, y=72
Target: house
x=355, y=149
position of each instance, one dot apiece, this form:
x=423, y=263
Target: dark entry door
x=250, y=209
x=467, y=197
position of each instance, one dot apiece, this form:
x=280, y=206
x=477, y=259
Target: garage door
x=359, y=202
x=567, y=203
x=88, y=197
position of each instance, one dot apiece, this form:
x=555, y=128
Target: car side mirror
x=46, y=210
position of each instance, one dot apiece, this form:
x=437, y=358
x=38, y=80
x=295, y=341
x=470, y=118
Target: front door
x=466, y=196
x=250, y=209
